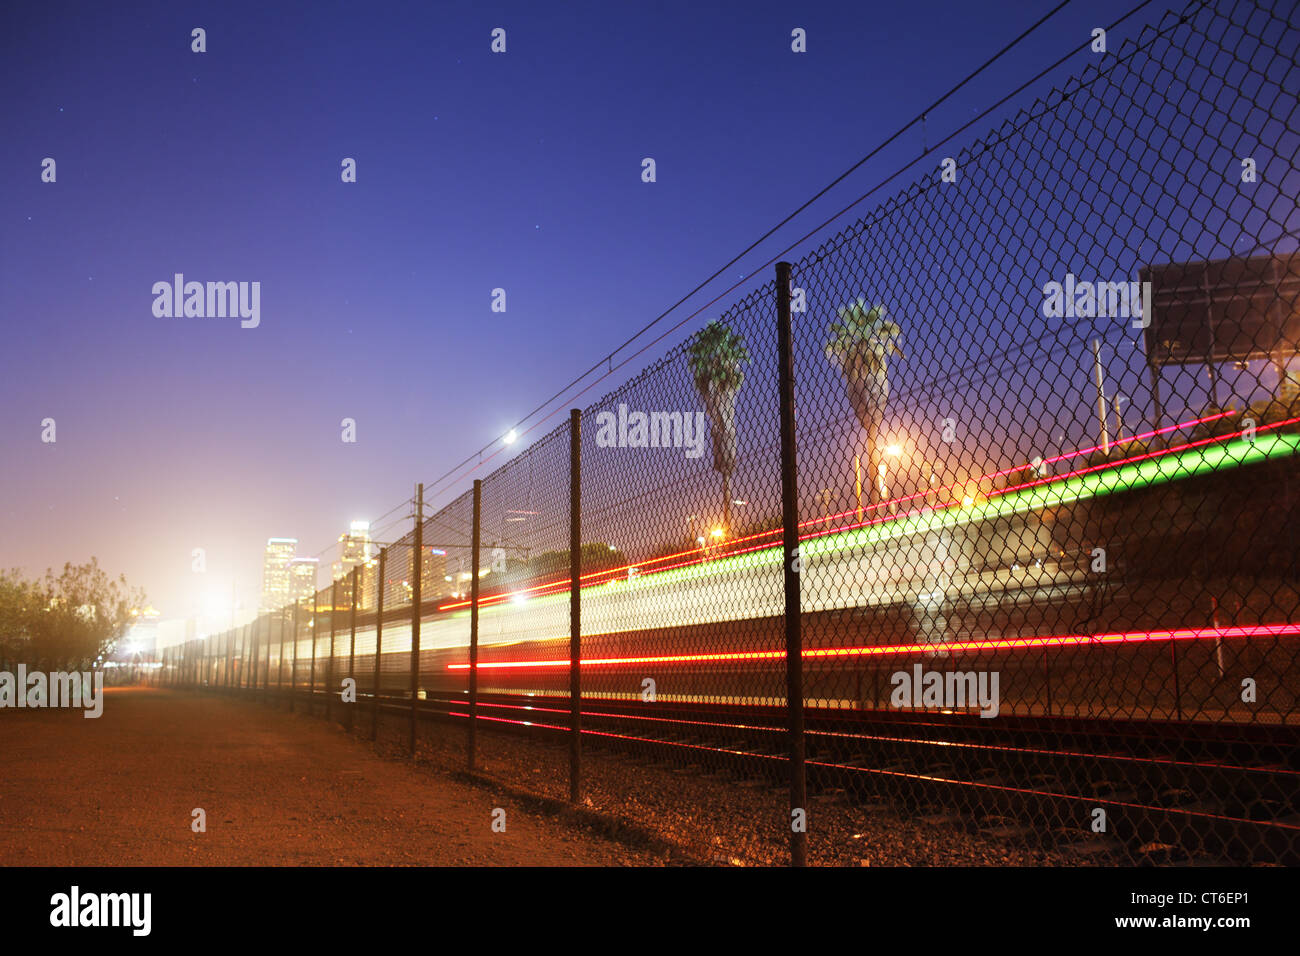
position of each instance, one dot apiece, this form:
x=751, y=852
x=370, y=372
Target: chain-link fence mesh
x=1046, y=404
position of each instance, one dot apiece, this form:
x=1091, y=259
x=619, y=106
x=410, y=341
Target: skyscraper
x=354, y=548
x=276, y=589
x=354, y=551
x=302, y=573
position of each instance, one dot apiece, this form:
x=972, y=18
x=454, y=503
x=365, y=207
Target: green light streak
x=1206, y=459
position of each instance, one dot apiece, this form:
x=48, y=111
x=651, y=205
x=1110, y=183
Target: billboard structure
x=1223, y=310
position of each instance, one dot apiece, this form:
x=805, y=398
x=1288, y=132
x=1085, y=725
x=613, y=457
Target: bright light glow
x=716, y=532
x=893, y=450
x=511, y=437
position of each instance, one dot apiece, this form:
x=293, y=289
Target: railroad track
x=1210, y=792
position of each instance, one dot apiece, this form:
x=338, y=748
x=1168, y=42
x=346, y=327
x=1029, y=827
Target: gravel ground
x=685, y=814
x=277, y=788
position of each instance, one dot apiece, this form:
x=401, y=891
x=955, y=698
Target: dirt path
x=277, y=788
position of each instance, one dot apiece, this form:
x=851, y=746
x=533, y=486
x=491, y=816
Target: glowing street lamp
x=892, y=450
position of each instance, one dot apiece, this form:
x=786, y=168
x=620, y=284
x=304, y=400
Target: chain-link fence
x=1042, y=531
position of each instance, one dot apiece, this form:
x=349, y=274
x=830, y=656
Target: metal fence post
x=315, y=628
x=379, y=644
x=255, y=649
x=260, y=669
x=329, y=665
x=352, y=644
x=790, y=537
x=266, y=671
x=417, y=562
x=293, y=670
x=473, y=623
x=279, y=671
x=575, y=604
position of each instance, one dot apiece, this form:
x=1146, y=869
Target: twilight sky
x=476, y=170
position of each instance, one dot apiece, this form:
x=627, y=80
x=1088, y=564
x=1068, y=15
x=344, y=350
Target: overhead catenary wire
x=470, y=462
x=490, y=451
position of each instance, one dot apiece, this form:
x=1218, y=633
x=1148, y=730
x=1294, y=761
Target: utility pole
x=1101, y=396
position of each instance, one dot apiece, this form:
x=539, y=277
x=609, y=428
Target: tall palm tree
x=860, y=344
x=715, y=359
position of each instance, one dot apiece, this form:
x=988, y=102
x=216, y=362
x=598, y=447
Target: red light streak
x=1008, y=644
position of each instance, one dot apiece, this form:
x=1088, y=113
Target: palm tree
x=715, y=359
x=860, y=344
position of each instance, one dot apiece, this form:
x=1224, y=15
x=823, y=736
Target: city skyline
x=672, y=435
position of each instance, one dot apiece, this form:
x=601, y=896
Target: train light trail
x=1284, y=629
x=1148, y=469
